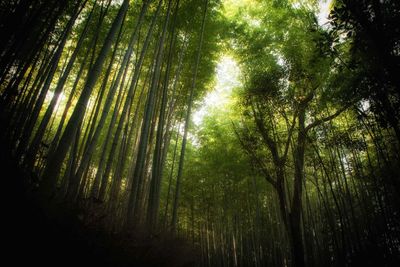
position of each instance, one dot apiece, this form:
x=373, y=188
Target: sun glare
x=324, y=9
x=50, y=95
x=227, y=78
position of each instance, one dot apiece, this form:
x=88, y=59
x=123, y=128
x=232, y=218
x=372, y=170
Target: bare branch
x=328, y=118
x=254, y=158
x=271, y=144
x=283, y=158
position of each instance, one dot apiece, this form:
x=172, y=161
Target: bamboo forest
x=200, y=133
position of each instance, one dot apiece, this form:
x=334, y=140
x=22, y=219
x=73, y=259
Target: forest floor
x=60, y=238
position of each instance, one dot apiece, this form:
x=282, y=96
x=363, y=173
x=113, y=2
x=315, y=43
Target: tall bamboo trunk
x=187, y=121
x=53, y=167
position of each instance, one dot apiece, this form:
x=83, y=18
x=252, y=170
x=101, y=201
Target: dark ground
x=34, y=237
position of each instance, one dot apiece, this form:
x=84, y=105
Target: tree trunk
x=187, y=121
x=54, y=165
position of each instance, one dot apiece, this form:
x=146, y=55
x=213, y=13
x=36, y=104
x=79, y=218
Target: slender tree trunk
x=56, y=96
x=139, y=167
x=154, y=195
x=54, y=165
x=93, y=141
x=295, y=213
x=187, y=121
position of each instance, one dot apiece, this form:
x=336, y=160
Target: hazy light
x=50, y=95
x=231, y=7
x=296, y=5
x=227, y=78
x=253, y=22
x=324, y=9
x=116, y=2
x=365, y=105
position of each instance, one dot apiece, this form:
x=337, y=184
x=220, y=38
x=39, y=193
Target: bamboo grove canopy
x=206, y=132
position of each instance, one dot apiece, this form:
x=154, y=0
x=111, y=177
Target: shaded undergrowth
x=62, y=236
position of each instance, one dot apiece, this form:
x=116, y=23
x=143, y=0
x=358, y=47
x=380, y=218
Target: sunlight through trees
x=204, y=133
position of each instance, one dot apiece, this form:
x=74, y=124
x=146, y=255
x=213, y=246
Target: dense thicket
x=300, y=168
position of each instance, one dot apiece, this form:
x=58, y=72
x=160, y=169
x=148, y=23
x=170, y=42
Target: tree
x=54, y=166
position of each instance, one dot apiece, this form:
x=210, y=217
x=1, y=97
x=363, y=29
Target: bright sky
x=324, y=8
x=227, y=78
x=227, y=70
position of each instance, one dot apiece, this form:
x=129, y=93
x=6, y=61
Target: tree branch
x=283, y=158
x=255, y=158
x=328, y=118
x=271, y=144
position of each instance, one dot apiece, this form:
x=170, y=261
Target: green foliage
x=366, y=35
x=302, y=159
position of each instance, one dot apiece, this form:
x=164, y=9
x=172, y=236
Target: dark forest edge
x=104, y=162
